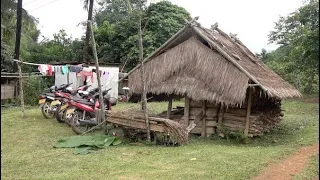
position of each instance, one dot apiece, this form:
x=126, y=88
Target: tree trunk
x=143, y=80
x=16, y=66
x=18, y=35
x=94, y=49
x=86, y=43
x=310, y=82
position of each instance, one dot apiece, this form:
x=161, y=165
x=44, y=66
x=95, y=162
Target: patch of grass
x=311, y=172
x=28, y=153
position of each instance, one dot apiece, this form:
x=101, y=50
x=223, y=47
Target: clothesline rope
x=35, y=64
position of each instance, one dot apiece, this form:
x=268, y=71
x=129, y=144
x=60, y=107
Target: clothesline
x=47, y=69
x=35, y=64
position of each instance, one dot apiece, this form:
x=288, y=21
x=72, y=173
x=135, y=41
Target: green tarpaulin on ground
x=87, y=144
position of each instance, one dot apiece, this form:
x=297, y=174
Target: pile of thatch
x=135, y=119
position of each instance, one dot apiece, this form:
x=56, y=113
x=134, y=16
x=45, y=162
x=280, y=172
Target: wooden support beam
x=246, y=130
x=204, y=127
x=186, y=110
x=253, y=85
x=169, y=107
x=220, y=114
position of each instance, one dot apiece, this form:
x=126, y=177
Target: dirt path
x=289, y=166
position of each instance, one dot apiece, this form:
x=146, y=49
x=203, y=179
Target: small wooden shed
x=226, y=87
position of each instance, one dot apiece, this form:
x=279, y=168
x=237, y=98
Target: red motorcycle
x=49, y=102
x=61, y=115
x=84, y=111
x=67, y=93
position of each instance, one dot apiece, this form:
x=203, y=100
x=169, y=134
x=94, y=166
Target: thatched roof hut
x=207, y=65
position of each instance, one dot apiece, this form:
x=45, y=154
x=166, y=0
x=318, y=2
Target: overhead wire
x=43, y=5
x=29, y=2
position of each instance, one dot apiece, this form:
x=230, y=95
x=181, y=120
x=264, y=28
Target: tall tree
x=299, y=31
x=117, y=37
x=86, y=43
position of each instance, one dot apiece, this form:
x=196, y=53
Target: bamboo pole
x=220, y=114
x=143, y=80
x=94, y=49
x=21, y=91
x=186, y=110
x=169, y=107
x=204, y=126
x=246, y=130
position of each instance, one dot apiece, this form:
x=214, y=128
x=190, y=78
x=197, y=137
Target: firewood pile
x=259, y=121
x=265, y=115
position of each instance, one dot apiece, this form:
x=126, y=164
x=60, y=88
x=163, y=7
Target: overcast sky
x=251, y=20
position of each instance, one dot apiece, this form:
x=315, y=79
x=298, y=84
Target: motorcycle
x=81, y=93
x=84, y=112
x=49, y=102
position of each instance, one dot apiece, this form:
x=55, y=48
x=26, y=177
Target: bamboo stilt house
x=226, y=87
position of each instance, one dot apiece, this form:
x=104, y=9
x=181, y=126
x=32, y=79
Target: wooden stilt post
x=246, y=130
x=204, y=126
x=169, y=107
x=186, y=110
x=220, y=115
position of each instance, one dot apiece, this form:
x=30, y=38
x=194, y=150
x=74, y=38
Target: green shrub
x=33, y=86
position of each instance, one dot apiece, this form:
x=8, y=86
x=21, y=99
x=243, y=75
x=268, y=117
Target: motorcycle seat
x=83, y=101
x=49, y=94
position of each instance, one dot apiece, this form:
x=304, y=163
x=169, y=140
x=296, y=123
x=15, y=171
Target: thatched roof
x=208, y=65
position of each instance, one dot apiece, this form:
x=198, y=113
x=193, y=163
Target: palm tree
x=86, y=43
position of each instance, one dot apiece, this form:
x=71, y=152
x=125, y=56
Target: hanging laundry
x=76, y=69
x=64, y=70
x=105, y=75
x=86, y=72
x=49, y=70
x=43, y=68
x=57, y=69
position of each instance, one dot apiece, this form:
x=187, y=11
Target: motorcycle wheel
x=59, y=114
x=46, y=110
x=75, y=125
x=67, y=118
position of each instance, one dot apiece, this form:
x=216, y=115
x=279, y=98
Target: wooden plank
x=212, y=112
x=246, y=130
x=169, y=107
x=186, y=110
x=194, y=111
x=209, y=123
x=204, y=130
x=207, y=118
x=198, y=130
